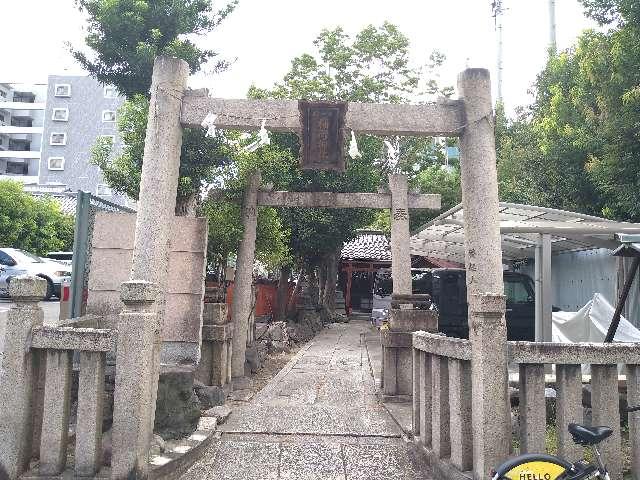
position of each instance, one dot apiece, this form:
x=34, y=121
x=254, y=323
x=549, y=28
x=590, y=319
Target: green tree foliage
x=127, y=35
x=578, y=146
x=373, y=66
x=224, y=213
x=607, y=12
x=444, y=181
x=199, y=158
x=36, y=225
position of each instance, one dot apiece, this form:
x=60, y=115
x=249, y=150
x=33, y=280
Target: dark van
x=449, y=292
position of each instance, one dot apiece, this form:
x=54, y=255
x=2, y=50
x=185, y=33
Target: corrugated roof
x=520, y=227
x=368, y=245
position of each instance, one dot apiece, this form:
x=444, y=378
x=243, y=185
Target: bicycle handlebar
x=633, y=409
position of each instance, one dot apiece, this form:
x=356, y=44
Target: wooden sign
x=322, y=139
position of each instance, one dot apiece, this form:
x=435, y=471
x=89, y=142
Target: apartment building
x=78, y=111
x=56, y=126
x=21, y=126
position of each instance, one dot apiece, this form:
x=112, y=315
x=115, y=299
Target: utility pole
x=496, y=6
x=552, y=25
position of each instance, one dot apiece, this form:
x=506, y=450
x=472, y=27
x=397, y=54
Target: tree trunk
x=187, y=206
x=296, y=292
x=331, y=277
x=322, y=277
x=312, y=286
x=282, y=295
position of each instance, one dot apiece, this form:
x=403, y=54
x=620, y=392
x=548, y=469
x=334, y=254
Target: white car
x=15, y=262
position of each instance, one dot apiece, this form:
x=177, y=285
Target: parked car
x=448, y=290
x=14, y=262
x=62, y=257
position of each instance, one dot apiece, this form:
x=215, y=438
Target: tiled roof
x=368, y=245
x=67, y=202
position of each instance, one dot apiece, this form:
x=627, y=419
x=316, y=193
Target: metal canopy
x=521, y=227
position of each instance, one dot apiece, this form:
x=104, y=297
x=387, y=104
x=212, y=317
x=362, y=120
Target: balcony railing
x=24, y=98
x=20, y=122
x=19, y=147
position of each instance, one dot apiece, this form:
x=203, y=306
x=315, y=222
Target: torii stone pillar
x=242, y=285
x=397, y=355
x=400, y=251
x=483, y=259
x=140, y=324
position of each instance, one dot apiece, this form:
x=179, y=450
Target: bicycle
x=540, y=466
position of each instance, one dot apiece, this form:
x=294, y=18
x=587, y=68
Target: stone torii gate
x=173, y=107
x=398, y=200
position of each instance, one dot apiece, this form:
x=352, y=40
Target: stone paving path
x=319, y=418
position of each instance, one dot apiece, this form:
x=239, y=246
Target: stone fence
x=35, y=388
x=443, y=400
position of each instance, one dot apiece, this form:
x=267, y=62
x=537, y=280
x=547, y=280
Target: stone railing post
x=242, y=284
x=532, y=408
x=135, y=388
x=440, y=434
x=415, y=396
x=568, y=407
x=18, y=375
x=426, y=400
x=460, y=406
x=483, y=262
x=606, y=411
x=400, y=252
x=633, y=398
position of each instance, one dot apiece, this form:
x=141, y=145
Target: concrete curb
x=171, y=465
x=168, y=466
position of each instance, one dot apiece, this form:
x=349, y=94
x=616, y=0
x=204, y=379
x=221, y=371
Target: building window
x=1, y=118
x=60, y=114
x=110, y=91
x=103, y=190
x=3, y=94
x=17, y=167
x=58, y=139
x=62, y=90
x=56, y=163
x=108, y=116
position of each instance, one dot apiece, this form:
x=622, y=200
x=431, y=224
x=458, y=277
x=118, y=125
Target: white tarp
x=590, y=324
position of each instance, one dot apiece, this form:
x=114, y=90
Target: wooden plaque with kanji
x=322, y=139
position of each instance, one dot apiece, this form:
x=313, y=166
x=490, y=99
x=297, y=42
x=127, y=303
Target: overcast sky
x=264, y=35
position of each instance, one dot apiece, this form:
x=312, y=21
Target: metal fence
x=86, y=207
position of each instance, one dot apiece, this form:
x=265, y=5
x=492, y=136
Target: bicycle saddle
x=588, y=435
